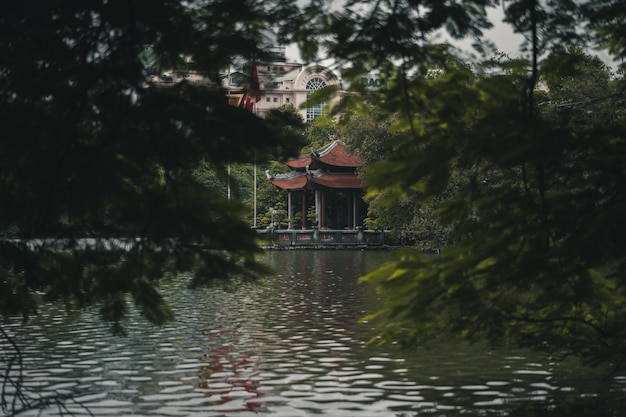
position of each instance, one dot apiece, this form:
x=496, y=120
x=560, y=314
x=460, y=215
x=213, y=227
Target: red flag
x=253, y=95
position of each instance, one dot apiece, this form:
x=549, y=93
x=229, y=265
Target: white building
x=283, y=82
x=280, y=82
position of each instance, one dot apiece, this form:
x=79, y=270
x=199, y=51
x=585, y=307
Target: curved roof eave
x=294, y=183
x=300, y=162
x=333, y=154
x=336, y=154
x=345, y=181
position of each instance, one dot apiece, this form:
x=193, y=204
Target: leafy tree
x=286, y=122
x=277, y=213
x=267, y=194
x=368, y=131
x=412, y=220
x=580, y=89
x=320, y=132
x=101, y=191
x=286, y=125
x=538, y=247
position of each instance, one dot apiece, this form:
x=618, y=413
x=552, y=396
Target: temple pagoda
x=327, y=180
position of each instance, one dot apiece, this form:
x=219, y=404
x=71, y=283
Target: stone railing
x=323, y=237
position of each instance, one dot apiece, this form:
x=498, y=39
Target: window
x=315, y=84
x=287, y=99
x=267, y=99
x=275, y=99
x=319, y=109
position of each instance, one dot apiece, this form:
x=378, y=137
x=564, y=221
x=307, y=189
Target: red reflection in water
x=230, y=369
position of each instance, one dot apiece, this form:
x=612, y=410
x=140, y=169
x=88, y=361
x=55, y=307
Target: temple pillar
x=289, y=210
x=322, y=209
x=349, y=211
x=354, y=209
x=304, y=219
x=318, y=208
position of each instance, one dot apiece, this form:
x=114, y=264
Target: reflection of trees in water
x=15, y=397
x=264, y=338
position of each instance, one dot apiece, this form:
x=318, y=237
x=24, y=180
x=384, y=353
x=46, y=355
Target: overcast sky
x=502, y=35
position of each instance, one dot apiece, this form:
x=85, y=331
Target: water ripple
x=287, y=346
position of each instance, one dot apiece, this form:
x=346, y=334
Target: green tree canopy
x=320, y=132
x=286, y=123
x=101, y=196
x=581, y=89
x=535, y=203
x=99, y=186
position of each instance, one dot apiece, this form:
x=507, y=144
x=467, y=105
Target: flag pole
x=255, y=179
x=228, y=165
x=254, y=109
x=255, y=183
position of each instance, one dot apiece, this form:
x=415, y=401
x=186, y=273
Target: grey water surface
x=289, y=345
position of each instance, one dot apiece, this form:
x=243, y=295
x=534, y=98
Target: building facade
x=280, y=82
x=284, y=83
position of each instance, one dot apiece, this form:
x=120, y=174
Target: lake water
x=286, y=346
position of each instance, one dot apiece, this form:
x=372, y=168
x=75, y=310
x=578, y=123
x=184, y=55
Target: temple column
x=354, y=209
x=289, y=210
x=304, y=219
x=323, y=219
x=318, y=208
x=349, y=211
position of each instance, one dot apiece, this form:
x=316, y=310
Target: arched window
x=320, y=108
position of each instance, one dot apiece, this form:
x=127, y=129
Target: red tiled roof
x=319, y=169
x=319, y=178
x=332, y=155
x=337, y=155
x=331, y=180
x=299, y=163
x=291, y=183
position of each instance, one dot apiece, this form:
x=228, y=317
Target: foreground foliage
x=533, y=196
x=102, y=198
x=99, y=184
